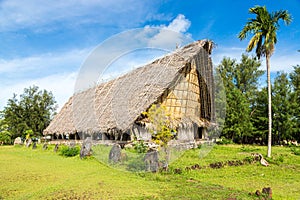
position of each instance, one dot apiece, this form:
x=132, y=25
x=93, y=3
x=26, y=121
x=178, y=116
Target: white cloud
x=50, y=62
x=172, y=35
x=179, y=24
x=231, y=52
x=16, y=15
x=56, y=71
x=156, y=37
x=284, y=61
x=61, y=85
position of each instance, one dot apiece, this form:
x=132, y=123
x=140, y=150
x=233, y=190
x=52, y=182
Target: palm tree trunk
x=269, y=107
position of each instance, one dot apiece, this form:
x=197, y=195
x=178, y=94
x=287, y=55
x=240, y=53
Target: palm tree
x=264, y=28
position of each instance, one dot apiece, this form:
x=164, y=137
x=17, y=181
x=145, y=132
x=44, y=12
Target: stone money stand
x=86, y=148
x=115, y=154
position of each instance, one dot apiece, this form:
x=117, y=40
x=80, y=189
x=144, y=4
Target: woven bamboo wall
x=183, y=100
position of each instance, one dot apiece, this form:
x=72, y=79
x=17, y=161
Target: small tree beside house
x=161, y=129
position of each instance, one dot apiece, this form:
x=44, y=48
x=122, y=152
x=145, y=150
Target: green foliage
x=29, y=134
x=295, y=98
x=264, y=28
x=160, y=128
x=140, y=146
x=163, y=136
x=67, y=151
x=285, y=111
x=247, y=105
x=260, y=116
x=249, y=159
x=248, y=149
x=224, y=140
x=295, y=150
x=276, y=159
x=240, y=82
x=283, y=120
x=246, y=74
x=5, y=135
x=32, y=111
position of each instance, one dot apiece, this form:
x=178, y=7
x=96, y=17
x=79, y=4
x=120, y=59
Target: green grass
x=38, y=174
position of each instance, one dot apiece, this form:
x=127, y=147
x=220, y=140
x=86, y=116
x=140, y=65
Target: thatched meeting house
x=182, y=82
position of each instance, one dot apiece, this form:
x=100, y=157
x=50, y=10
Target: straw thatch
x=116, y=105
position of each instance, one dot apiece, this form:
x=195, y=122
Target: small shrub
x=295, y=150
x=224, y=141
x=249, y=159
x=69, y=151
x=277, y=160
x=140, y=147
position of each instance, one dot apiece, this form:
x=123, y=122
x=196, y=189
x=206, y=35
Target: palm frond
x=249, y=28
x=254, y=40
x=263, y=27
x=259, y=49
x=282, y=14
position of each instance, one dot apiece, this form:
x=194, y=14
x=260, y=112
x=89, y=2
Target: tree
x=285, y=104
x=32, y=111
x=259, y=116
x=264, y=28
x=5, y=135
x=295, y=83
x=282, y=105
x=247, y=74
x=161, y=128
x=240, y=82
x=235, y=122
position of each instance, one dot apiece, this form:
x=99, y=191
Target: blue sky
x=45, y=43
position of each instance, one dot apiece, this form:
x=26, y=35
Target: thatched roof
x=118, y=103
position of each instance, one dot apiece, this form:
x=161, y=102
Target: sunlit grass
x=39, y=174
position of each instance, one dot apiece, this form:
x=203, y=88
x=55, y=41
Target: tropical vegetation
x=264, y=29
x=246, y=118
x=29, y=114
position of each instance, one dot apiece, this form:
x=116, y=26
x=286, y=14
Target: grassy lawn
x=38, y=174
